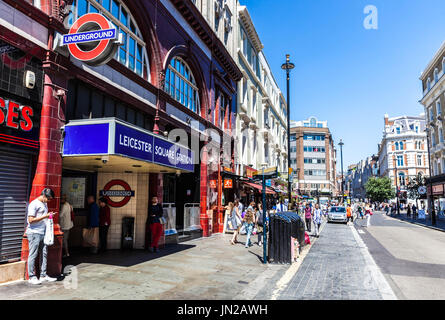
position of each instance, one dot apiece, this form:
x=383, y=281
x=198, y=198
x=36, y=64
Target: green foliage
x=413, y=186
x=379, y=189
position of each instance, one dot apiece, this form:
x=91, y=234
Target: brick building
x=170, y=71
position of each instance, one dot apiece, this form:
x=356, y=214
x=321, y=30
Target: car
x=337, y=214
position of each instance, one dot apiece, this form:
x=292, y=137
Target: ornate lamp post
x=288, y=66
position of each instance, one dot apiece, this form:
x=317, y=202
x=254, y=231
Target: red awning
x=260, y=187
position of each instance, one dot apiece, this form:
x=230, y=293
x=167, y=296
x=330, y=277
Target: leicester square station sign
x=92, y=39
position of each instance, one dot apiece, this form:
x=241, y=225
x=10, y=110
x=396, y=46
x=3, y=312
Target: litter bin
x=283, y=227
x=127, y=233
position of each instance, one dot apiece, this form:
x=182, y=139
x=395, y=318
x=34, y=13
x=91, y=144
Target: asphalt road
x=411, y=257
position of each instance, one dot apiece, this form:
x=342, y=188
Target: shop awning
x=259, y=187
x=87, y=141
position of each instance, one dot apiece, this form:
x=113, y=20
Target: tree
x=379, y=189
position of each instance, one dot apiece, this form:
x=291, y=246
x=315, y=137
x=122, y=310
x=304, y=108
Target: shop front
x=120, y=161
x=436, y=195
x=20, y=109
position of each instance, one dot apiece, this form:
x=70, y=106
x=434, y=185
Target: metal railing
x=191, y=217
x=170, y=217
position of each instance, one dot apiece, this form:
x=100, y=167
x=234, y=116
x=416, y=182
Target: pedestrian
x=308, y=217
x=360, y=211
x=93, y=219
x=249, y=222
x=387, y=209
x=408, y=211
x=260, y=224
x=155, y=213
x=414, y=208
x=240, y=206
x=368, y=213
x=236, y=219
x=104, y=223
x=349, y=213
x=317, y=220
x=35, y=232
x=66, y=222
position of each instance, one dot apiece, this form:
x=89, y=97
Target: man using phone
x=35, y=231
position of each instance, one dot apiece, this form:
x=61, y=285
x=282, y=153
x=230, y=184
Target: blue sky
x=346, y=74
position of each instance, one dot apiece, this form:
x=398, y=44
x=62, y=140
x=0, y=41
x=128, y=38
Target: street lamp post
x=341, y=144
x=288, y=66
x=433, y=211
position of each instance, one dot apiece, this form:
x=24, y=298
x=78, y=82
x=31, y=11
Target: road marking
x=361, y=231
x=374, y=270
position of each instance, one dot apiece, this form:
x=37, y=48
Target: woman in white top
x=65, y=221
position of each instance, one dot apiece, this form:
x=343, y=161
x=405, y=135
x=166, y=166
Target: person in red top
x=104, y=223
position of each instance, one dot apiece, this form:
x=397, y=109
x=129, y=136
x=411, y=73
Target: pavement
x=440, y=221
x=411, y=257
x=201, y=269
x=337, y=267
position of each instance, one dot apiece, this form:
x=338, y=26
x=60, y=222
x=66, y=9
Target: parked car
x=337, y=214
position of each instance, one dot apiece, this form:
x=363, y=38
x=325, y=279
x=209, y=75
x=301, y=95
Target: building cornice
x=433, y=62
x=192, y=15
x=250, y=28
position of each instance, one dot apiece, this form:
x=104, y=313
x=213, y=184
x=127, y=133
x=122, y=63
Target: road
x=390, y=259
x=411, y=257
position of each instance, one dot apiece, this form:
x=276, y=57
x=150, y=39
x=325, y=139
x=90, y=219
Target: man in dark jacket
x=154, y=225
x=93, y=217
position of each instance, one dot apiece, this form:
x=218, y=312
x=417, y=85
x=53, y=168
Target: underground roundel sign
x=124, y=192
x=92, y=39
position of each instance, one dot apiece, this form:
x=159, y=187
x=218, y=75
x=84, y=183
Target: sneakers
x=48, y=279
x=34, y=281
x=150, y=249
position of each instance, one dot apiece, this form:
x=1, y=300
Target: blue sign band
x=89, y=36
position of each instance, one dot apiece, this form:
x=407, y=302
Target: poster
x=74, y=188
x=421, y=214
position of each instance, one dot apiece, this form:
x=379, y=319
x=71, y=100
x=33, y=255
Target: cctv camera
x=104, y=161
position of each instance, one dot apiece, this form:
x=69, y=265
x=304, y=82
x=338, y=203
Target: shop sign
x=213, y=184
x=112, y=137
x=438, y=189
x=92, y=39
x=228, y=184
x=126, y=193
x=16, y=124
x=250, y=172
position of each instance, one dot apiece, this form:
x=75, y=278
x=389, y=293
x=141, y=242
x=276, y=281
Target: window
x=397, y=145
x=400, y=161
x=314, y=149
x=428, y=84
x=181, y=85
x=419, y=160
x=398, y=130
x=401, y=145
x=313, y=122
x=440, y=135
x=132, y=53
x=293, y=137
x=313, y=137
x=402, y=179
x=438, y=108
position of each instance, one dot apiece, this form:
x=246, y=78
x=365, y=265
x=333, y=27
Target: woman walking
x=308, y=217
x=317, y=220
x=260, y=224
x=249, y=222
x=368, y=214
x=235, y=218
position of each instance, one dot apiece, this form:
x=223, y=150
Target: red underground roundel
x=92, y=39
x=126, y=193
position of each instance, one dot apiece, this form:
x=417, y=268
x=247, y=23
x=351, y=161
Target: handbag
x=90, y=237
x=49, y=232
x=162, y=220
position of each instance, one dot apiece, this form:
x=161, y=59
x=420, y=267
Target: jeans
x=103, y=234
x=249, y=229
x=156, y=233
x=36, y=245
x=308, y=224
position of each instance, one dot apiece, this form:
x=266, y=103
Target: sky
x=344, y=73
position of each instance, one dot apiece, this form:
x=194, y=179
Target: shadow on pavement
x=121, y=258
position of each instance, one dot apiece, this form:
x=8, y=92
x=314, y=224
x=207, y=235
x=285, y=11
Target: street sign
x=228, y=184
x=422, y=190
x=269, y=173
x=92, y=39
